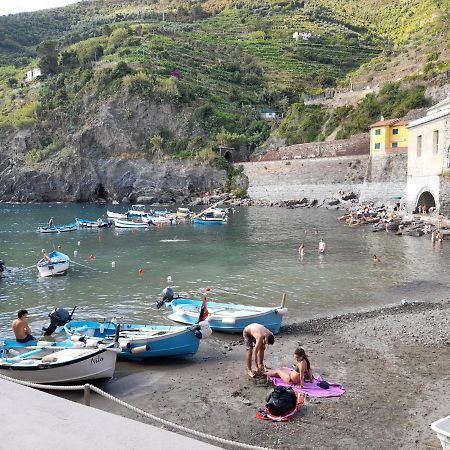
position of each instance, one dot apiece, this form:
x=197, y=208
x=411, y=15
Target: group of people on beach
x=256, y=338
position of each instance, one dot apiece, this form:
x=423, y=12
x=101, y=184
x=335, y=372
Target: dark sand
x=394, y=363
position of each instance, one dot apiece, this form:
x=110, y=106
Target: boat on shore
x=57, y=265
x=442, y=429
x=57, y=362
x=58, y=229
x=138, y=342
x=119, y=223
x=227, y=317
x=99, y=223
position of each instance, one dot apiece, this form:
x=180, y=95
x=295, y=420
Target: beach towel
x=264, y=414
x=312, y=389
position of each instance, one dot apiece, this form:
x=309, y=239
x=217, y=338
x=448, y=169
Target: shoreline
x=392, y=360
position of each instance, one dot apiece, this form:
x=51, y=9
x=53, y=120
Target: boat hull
x=58, y=265
x=159, y=341
x=63, y=229
x=93, y=365
x=128, y=224
x=113, y=215
x=209, y=221
x=225, y=317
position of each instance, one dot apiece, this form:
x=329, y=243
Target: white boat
x=184, y=212
x=58, y=229
x=129, y=224
x=442, y=429
x=57, y=362
x=139, y=211
x=58, y=264
x=113, y=215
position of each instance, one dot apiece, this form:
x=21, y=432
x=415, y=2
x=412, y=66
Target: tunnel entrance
x=426, y=199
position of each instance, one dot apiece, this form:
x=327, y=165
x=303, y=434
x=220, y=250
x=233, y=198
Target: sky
x=16, y=6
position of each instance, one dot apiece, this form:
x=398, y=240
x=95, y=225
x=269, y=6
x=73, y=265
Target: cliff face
x=101, y=154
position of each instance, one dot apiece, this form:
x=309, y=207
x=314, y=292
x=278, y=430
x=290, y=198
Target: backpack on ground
x=281, y=400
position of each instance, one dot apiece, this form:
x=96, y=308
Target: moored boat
x=139, y=211
x=442, y=429
x=57, y=362
x=114, y=215
x=227, y=317
x=99, y=223
x=209, y=219
x=138, y=342
x=58, y=229
x=57, y=265
x=184, y=213
x=130, y=224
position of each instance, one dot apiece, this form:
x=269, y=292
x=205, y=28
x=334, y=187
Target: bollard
x=87, y=395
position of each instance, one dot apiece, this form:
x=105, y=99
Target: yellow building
x=388, y=137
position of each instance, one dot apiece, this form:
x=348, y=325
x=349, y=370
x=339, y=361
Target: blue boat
x=56, y=264
x=140, y=342
x=227, y=317
x=99, y=223
x=58, y=229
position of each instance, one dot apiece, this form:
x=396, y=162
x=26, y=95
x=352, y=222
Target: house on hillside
x=268, y=114
x=428, y=181
x=388, y=137
x=32, y=74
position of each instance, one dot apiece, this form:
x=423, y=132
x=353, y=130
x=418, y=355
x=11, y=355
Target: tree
x=48, y=57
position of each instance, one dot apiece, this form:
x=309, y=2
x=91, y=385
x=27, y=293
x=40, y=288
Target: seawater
x=251, y=260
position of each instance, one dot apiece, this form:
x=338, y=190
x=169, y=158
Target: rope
x=138, y=411
x=25, y=268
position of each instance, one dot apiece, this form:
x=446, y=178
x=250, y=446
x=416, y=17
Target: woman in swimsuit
x=301, y=372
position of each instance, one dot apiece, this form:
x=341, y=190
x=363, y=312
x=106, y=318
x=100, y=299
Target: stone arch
x=228, y=155
x=426, y=198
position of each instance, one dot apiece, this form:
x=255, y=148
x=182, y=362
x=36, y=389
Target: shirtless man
x=45, y=256
x=21, y=328
x=322, y=246
x=256, y=337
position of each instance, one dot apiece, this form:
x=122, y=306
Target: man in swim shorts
x=21, y=328
x=256, y=337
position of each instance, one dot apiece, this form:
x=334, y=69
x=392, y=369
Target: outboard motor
x=58, y=318
x=168, y=295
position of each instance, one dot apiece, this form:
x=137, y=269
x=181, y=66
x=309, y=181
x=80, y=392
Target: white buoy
x=117, y=234
x=113, y=264
x=75, y=253
x=169, y=279
x=79, y=243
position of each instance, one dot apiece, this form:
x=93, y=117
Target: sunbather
x=301, y=372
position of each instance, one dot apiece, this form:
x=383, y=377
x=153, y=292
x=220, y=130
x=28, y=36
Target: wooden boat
x=210, y=218
x=99, y=223
x=442, y=429
x=138, y=342
x=139, y=211
x=58, y=264
x=130, y=224
x=57, y=362
x=113, y=215
x=227, y=317
x=58, y=229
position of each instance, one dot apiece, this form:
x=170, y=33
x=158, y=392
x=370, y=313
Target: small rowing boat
x=58, y=264
x=227, y=317
x=57, y=362
x=113, y=215
x=138, y=342
x=58, y=229
x=99, y=223
x=130, y=224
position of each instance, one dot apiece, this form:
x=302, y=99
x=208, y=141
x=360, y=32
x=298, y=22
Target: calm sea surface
x=250, y=260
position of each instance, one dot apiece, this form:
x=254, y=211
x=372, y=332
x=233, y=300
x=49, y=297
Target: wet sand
x=394, y=363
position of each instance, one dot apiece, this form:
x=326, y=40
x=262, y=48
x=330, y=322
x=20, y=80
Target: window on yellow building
x=377, y=146
x=395, y=131
x=377, y=132
x=394, y=144
x=435, y=141
x=419, y=146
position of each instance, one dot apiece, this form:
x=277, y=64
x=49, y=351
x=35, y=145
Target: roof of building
x=443, y=104
x=441, y=109
x=389, y=123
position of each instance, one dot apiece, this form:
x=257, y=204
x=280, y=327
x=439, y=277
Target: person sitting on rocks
x=302, y=370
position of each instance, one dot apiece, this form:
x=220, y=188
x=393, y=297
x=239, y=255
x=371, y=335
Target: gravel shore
x=393, y=361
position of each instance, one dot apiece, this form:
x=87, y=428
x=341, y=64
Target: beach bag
x=281, y=400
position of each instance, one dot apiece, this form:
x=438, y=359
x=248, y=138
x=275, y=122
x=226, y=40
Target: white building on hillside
x=32, y=74
x=428, y=180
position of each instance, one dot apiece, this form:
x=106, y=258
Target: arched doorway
x=426, y=199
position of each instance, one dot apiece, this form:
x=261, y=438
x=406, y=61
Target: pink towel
x=312, y=389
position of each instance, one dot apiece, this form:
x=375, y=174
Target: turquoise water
x=251, y=260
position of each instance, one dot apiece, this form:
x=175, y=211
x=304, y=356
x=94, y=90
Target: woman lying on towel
x=302, y=370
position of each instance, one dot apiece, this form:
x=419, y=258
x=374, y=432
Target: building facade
x=32, y=74
x=388, y=137
x=428, y=179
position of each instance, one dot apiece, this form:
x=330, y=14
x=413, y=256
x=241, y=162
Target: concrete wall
x=382, y=178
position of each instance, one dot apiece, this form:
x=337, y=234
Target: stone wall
x=382, y=178
x=356, y=145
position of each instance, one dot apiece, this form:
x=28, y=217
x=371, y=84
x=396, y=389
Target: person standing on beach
x=322, y=246
x=256, y=337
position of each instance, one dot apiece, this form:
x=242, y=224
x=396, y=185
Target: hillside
x=134, y=80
